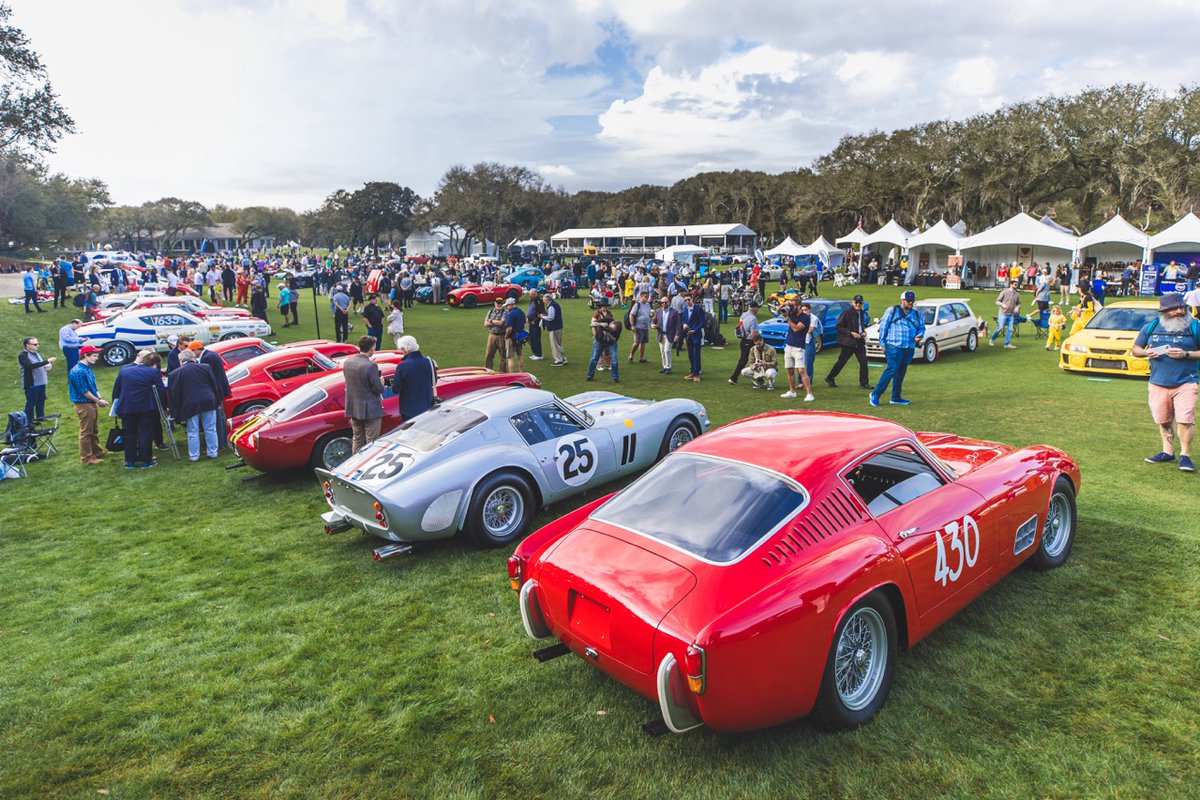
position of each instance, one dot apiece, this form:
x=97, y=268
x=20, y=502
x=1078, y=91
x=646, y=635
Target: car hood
x=610, y=593
x=962, y=454
x=607, y=404
x=1103, y=338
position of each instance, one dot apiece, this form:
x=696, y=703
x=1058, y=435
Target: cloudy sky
x=279, y=102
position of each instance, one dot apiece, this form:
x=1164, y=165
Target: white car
x=106, y=259
x=122, y=336
x=949, y=322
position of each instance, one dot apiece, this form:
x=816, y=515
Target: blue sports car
x=527, y=278
x=774, y=332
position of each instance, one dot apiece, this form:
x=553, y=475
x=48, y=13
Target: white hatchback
x=949, y=322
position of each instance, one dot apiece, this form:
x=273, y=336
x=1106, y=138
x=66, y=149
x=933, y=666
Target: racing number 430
x=964, y=539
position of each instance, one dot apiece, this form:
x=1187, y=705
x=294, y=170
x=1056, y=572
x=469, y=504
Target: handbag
x=116, y=440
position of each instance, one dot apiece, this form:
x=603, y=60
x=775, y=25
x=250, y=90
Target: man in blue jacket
x=900, y=331
x=414, y=380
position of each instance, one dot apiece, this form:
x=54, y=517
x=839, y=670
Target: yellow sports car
x=1103, y=346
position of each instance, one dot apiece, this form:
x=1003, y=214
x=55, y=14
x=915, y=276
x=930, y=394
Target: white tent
x=1115, y=240
x=1021, y=229
x=787, y=247
x=684, y=253
x=892, y=233
x=855, y=236
x=940, y=234
x=1185, y=231
x=1046, y=220
x=829, y=254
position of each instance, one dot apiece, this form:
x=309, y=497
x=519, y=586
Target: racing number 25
x=966, y=545
x=577, y=459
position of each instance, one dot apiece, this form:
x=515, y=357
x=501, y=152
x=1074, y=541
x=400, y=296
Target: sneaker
x=1010, y=347
x=900, y=402
x=1185, y=464
x=771, y=387
x=558, y=363
x=788, y=394
x=1161, y=458
x=873, y=400
x=808, y=398
x=536, y=358
x=991, y=342
x=732, y=382
x=150, y=464
x=589, y=378
x=131, y=466
x=666, y=372
x=830, y=383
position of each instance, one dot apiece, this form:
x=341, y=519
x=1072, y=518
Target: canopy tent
x=1185, y=231
x=1021, y=229
x=684, y=253
x=1115, y=240
x=940, y=234
x=892, y=233
x=829, y=254
x=855, y=236
x=1046, y=220
x=788, y=247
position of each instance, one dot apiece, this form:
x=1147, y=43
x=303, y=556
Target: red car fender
x=539, y=542
x=766, y=656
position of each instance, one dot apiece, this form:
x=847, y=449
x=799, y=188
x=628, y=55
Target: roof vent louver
x=833, y=514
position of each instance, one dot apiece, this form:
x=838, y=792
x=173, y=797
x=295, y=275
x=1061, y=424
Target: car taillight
x=693, y=666
x=379, y=513
x=328, y=490
x=514, y=572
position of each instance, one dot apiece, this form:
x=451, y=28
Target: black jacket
x=846, y=324
x=217, y=366
x=192, y=389
x=413, y=383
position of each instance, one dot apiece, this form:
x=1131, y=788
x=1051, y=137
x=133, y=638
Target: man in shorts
x=1172, y=343
x=793, y=352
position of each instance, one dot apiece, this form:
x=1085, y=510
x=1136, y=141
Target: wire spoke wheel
x=861, y=658
x=503, y=510
x=1058, y=526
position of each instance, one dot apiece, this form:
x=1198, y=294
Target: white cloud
x=556, y=170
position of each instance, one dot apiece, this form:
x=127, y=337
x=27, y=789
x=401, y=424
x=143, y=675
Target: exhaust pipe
x=336, y=527
x=236, y=465
x=390, y=551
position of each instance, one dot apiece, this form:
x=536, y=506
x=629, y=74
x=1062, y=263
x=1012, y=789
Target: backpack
x=1193, y=329
x=79, y=300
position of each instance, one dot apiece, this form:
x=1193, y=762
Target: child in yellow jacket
x=1056, y=322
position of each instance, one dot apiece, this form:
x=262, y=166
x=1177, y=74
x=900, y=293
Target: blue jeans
x=72, y=356
x=1004, y=322
x=722, y=311
x=35, y=402
x=597, y=349
x=810, y=355
x=209, y=420
x=898, y=359
x=693, y=346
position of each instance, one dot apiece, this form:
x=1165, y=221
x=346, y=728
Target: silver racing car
x=482, y=463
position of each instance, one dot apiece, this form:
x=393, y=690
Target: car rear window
x=715, y=509
x=437, y=426
x=235, y=374
x=295, y=403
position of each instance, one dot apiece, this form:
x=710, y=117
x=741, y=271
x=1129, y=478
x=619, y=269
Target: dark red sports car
x=309, y=425
x=235, y=351
x=259, y=381
x=744, y=582
x=472, y=294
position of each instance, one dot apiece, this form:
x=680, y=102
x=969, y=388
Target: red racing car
x=259, y=381
x=235, y=351
x=741, y=584
x=309, y=426
x=472, y=294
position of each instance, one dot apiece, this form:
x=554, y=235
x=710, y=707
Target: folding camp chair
x=17, y=447
x=43, y=432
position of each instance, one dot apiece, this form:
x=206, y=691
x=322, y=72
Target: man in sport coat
x=364, y=390
x=667, y=328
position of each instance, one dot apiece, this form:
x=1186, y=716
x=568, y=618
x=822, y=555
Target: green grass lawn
x=180, y=632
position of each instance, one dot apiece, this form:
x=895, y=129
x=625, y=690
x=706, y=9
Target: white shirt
x=1192, y=298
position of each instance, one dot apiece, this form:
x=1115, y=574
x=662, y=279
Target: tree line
x=1079, y=159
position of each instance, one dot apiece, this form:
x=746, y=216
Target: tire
x=679, y=432
x=773, y=305
x=1058, y=530
x=500, y=511
x=331, y=450
x=117, y=354
x=515, y=294
x=470, y=301
x=859, y=668
x=972, y=341
x=232, y=335
x=929, y=351
x=250, y=405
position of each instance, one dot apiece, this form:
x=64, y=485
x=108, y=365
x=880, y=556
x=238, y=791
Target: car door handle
x=909, y=533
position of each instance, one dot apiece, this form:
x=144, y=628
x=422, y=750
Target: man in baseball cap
x=900, y=330
x=81, y=383
x=1172, y=344
x=852, y=338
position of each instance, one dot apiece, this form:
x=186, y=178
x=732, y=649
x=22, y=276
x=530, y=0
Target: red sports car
x=472, y=294
x=309, y=426
x=259, y=381
x=741, y=583
x=235, y=351
x=193, y=305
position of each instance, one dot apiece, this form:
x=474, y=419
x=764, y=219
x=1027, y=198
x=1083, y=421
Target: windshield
x=1122, y=318
x=730, y=506
x=295, y=403
x=437, y=426
x=927, y=313
x=323, y=361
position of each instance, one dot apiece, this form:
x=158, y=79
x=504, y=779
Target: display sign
x=1148, y=283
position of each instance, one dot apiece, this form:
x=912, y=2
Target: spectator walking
x=900, y=330
x=415, y=380
x=552, y=324
x=373, y=318
x=29, y=282
x=70, y=342
x=34, y=369
x=852, y=339
x=1172, y=344
x=639, y=315
x=668, y=328
x=693, y=320
x=85, y=396
x=745, y=331
x=194, y=402
x=1009, y=303
x=364, y=390
x=136, y=389
x=605, y=333
x=497, y=342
